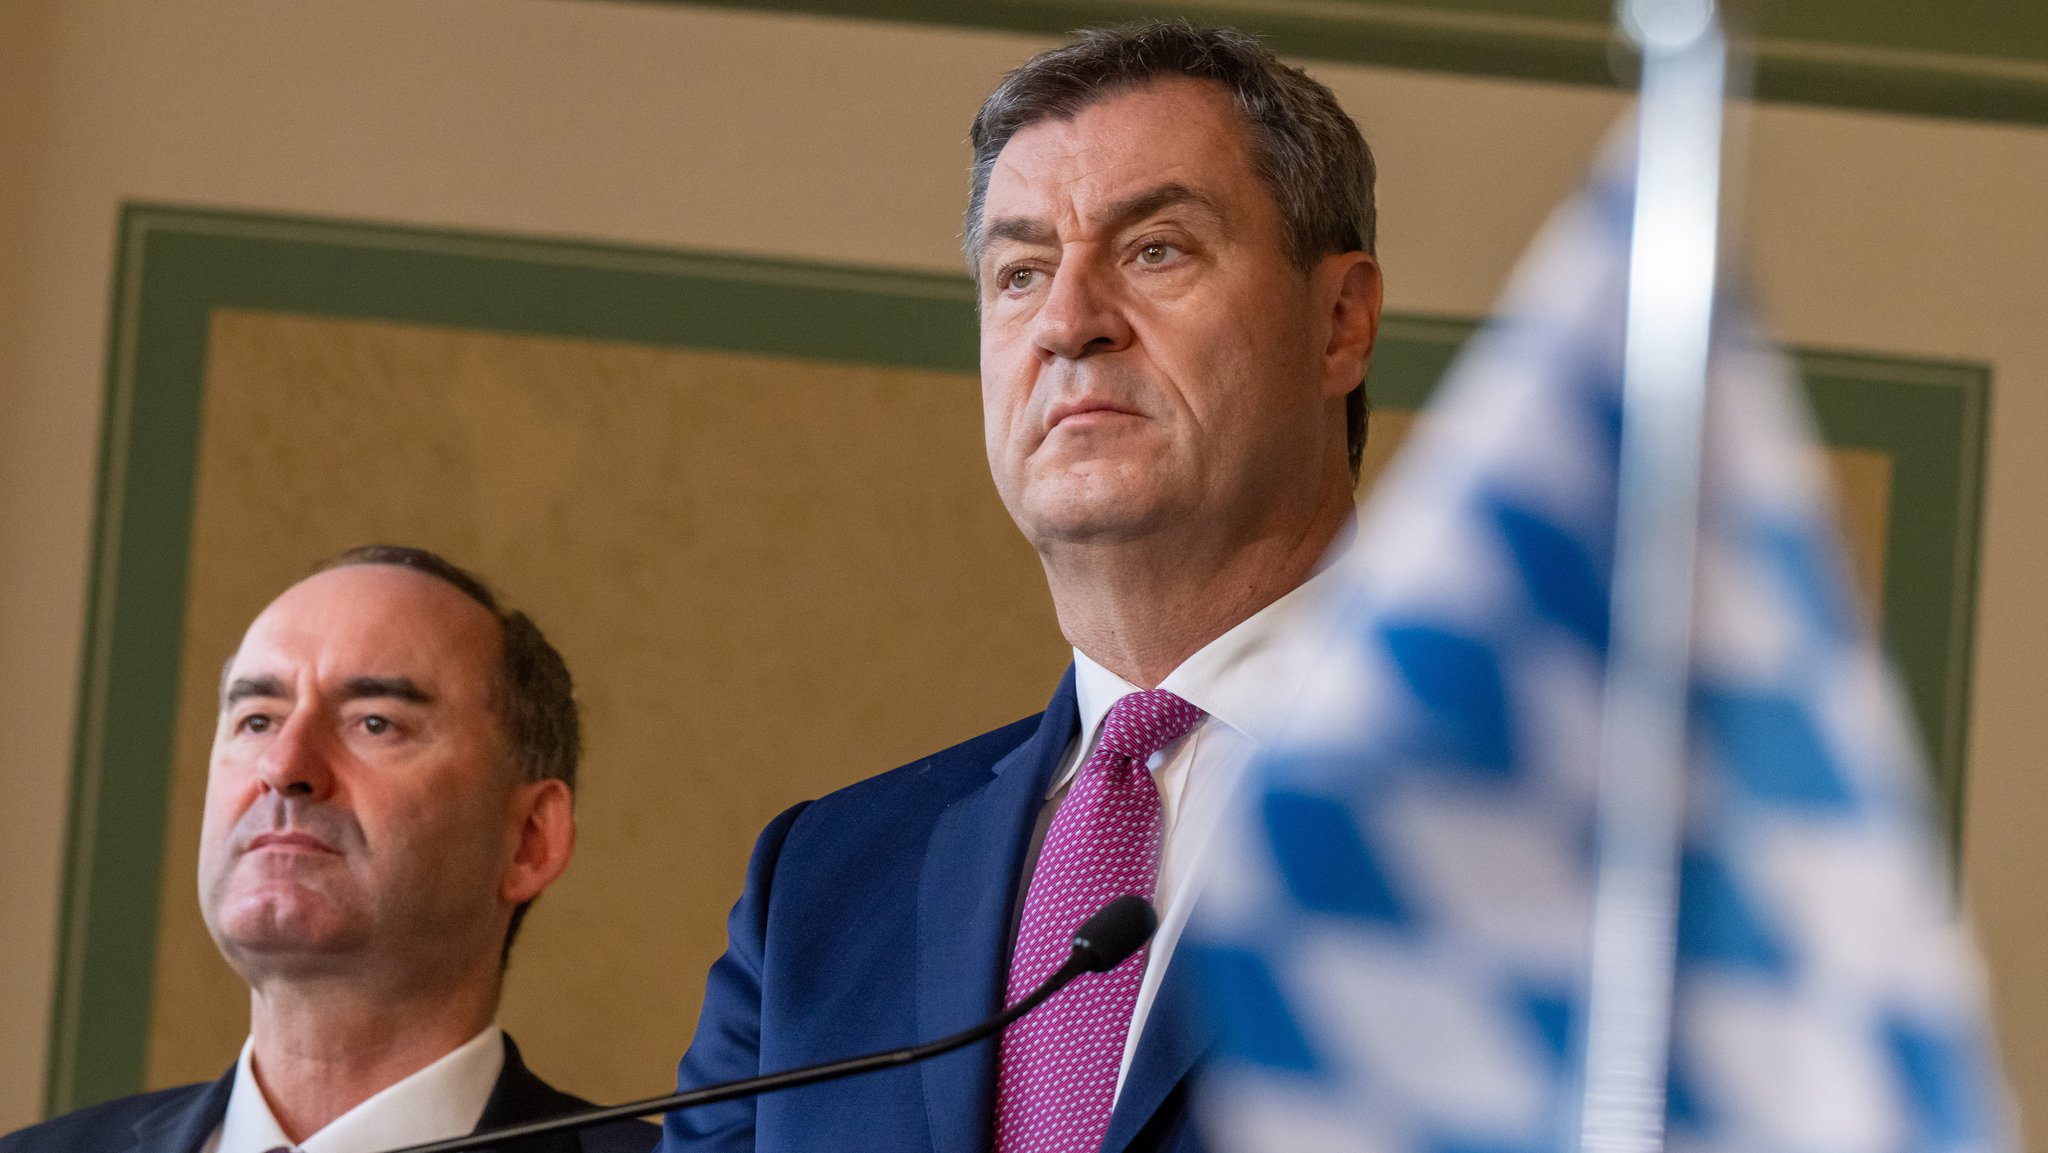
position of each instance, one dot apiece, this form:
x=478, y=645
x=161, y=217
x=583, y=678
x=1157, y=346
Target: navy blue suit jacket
x=881, y=916
x=180, y=1120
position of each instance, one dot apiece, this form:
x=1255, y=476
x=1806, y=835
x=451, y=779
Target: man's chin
x=287, y=929
x=1093, y=509
x=1071, y=525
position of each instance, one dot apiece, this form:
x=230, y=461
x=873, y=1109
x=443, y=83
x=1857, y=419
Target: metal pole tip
x=1665, y=25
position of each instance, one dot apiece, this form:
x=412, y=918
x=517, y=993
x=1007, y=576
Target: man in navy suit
x=1171, y=233
x=389, y=790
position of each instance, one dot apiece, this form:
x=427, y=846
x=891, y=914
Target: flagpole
x=1643, y=747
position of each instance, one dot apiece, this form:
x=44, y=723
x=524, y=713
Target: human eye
x=254, y=722
x=1019, y=278
x=1157, y=253
x=377, y=724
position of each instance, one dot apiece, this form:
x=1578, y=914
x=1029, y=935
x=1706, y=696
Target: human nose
x=297, y=763
x=1082, y=314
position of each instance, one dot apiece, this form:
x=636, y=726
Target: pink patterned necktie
x=1058, y=1066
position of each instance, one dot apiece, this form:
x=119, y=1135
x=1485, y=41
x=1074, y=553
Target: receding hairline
x=494, y=688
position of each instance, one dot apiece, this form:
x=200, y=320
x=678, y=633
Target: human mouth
x=1083, y=412
x=288, y=842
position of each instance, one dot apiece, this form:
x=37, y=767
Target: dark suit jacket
x=180, y=1120
x=881, y=916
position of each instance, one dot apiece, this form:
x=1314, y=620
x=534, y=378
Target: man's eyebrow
x=1151, y=202
x=1020, y=229
x=401, y=688
x=353, y=689
x=242, y=688
x=1154, y=201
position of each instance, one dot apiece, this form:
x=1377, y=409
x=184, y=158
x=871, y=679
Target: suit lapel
x=183, y=1124
x=1176, y=1035
x=519, y=1096
x=977, y=849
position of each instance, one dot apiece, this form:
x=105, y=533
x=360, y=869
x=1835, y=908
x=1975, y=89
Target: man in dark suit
x=389, y=790
x=1171, y=232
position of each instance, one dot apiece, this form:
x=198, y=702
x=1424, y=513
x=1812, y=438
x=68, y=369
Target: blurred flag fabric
x=1393, y=940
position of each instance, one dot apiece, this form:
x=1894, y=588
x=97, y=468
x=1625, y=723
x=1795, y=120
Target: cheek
x=1250, y=374
x=1005, y=396
x=394, y=818
x=226, y=801
x=420, y=825
x=1209, y=365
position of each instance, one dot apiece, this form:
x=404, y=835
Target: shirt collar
x=445, y=1099
x=1249, y=677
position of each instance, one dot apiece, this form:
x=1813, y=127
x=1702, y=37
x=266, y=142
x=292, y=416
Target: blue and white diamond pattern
x=1395, y=941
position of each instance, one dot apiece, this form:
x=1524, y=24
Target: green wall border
x=1529, y=47
x=176, y=266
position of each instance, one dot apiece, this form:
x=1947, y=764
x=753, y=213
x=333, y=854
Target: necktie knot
x=1142, y=723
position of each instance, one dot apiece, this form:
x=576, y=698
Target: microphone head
x=1116, y=931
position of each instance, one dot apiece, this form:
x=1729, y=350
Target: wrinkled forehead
x=1172, y=132
x=373, y=621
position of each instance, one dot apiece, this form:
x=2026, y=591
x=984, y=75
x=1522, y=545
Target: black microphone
x=1100, y=944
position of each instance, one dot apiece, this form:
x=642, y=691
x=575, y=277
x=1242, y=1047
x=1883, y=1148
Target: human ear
x=545, y=832
x=1354, y=292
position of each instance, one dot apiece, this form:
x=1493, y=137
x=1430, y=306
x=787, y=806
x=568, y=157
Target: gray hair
x=1305, y=149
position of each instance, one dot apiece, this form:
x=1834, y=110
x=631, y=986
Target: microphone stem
x=768, y=1083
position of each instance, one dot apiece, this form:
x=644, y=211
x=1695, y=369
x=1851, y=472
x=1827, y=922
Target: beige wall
x=731, y=557
x=41, y=501
x=818, y=139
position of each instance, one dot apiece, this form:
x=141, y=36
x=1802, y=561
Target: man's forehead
x=1179, y=131
x=368, y=620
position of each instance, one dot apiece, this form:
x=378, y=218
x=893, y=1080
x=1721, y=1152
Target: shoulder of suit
x=95, y=1125
x=933, y=776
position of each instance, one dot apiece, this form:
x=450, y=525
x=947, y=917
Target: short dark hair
x=532, y=694
x=1306, y=150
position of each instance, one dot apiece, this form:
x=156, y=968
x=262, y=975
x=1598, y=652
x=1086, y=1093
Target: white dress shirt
x=1246, y=681
x=445, y=1099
